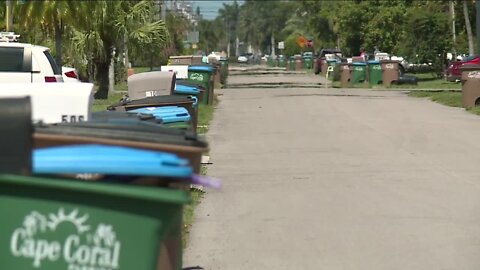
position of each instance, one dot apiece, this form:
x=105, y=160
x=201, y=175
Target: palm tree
x=131, y=24
x=110, y=22
x=54, y=16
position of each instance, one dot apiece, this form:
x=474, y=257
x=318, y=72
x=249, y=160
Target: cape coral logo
x=389, y=66
x=196, y=77
x=84, y=249
x=474, y=74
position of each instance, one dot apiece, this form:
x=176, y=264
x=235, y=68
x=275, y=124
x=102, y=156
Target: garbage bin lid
x=112, y=160
x=185, y=89
x=201, y=68
x=168, y=114
x=373, y=62
x=359, y=64
x=123, y=118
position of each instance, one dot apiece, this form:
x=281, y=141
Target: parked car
x=453, y=73
x=70, y=75
x=22, y=62
x=242, y=59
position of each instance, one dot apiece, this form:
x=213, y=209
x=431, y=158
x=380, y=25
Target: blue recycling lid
x=359, y=64
x=106, y=159
x=373, y=62
x=201, y=68
x=168, y=114
x=184, y=89
x=159, y=110
x=167, y=119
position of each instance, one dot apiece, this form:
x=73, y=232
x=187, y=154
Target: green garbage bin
x=308, y=61
x=281, y=62
x=359, y=74
x=374, y=72
x=204, y=75
x=224, y=71
x=291, y=62
x=332, y=63
x=270, y=62
x=54, y=224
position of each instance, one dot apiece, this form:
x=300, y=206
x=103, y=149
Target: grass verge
x=424, y=81
x=429, y=81
x=448, y=98
x=205, y=115
x=102, y=104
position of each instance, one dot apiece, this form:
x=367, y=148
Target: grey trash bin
x=150, y=84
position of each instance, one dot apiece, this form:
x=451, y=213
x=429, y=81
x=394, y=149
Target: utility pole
x=9, y=16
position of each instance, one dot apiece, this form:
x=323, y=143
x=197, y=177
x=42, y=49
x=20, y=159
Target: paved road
x=339, y=179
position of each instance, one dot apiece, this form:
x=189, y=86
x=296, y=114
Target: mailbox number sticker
x=72, y=118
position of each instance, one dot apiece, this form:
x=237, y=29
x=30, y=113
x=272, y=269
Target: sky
x=209, y=9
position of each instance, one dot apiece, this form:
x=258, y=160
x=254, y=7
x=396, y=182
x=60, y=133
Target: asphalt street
x=319, y=178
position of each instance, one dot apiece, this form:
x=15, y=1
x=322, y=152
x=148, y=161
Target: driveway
x=339, y=179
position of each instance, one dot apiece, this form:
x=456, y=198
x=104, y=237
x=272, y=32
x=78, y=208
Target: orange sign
x=301, y=41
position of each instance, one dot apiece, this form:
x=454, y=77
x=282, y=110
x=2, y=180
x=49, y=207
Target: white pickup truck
x=22, y=62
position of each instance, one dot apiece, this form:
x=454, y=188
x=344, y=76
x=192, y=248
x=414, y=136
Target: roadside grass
x=429, y=81
x=102, y=104
x=205, y=115
x=424, y=80
x=448, y=98
x=141, y=69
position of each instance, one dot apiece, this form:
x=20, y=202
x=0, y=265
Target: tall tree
x=468, y=26
x=229, y=16
x=108, y=23
x=54, y=16
x=431, y=23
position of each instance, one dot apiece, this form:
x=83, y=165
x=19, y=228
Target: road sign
x=281, y=45
x=301, y=41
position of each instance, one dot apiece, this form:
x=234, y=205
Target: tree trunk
x=454, y=34
x=125, y=47
x=102, y=67
x=103, y=79
x=237, y=52
x=471, y=47
x=111, y=77
x=272, y=43
x=58, y=44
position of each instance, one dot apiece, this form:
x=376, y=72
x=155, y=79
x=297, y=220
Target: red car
x=453, y=73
